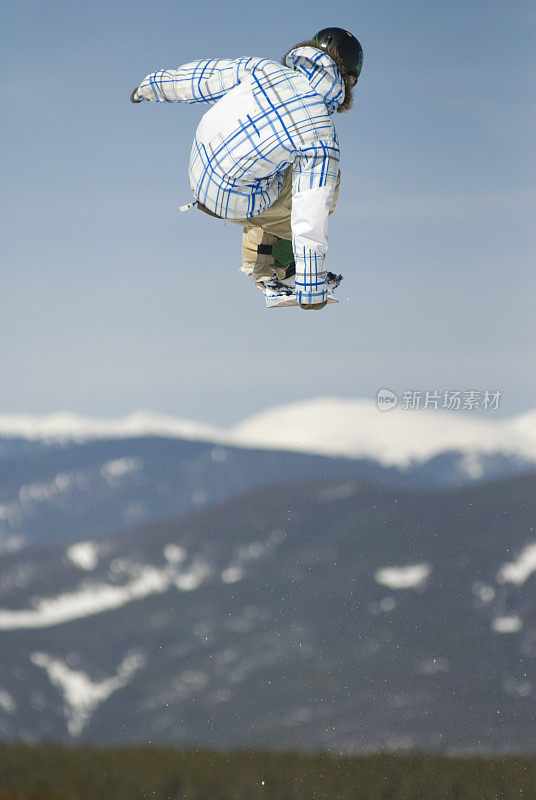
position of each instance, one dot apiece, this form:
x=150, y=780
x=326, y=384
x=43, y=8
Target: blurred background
x=262, y=557
x=111, y=298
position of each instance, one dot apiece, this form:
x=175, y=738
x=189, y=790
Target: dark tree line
x=58, y=772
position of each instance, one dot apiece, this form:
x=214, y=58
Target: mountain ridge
x=332, y=615
x=332, y=427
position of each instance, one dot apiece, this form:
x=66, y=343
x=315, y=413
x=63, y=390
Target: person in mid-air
x=266, y=155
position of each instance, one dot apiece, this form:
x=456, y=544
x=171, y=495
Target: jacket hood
x=322, y=73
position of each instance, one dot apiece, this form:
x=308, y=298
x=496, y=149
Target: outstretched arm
x=314, y=178
x=197, y=82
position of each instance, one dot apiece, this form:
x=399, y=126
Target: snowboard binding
x=280, y=293
x=280, y=290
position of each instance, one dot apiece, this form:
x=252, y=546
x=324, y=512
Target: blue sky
x=111, y=300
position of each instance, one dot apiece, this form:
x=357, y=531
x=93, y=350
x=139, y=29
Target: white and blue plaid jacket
x=266, y=117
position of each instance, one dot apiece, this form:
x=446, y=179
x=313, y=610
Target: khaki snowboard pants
x=267, y=228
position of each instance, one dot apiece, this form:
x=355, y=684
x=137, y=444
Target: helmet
x=347, y=47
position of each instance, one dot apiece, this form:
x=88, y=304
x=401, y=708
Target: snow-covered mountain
x=371, y=586
x=324, y=426
x=70, y=490
x=67, y=478
x=330, y=615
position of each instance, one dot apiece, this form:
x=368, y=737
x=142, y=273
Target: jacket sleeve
x=197, y=82
x=314, y=178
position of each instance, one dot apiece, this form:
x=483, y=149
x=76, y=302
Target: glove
x=132, y=100
x=313, y=306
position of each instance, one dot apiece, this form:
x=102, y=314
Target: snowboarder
x=266, y=155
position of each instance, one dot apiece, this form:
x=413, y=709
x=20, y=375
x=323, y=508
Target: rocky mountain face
x=70, y=490
x=333, y=613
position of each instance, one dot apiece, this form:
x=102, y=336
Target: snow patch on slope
x=45, y=492
x=10, y=543
x=192, y=579
x=234, y=571
x=82, y=696
x=413, y=576
x=91, y=599
x=519, y=570
x=119, y=467
x=174, y=553
x=510, y=624
x=7, y=702
x=84, y=555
